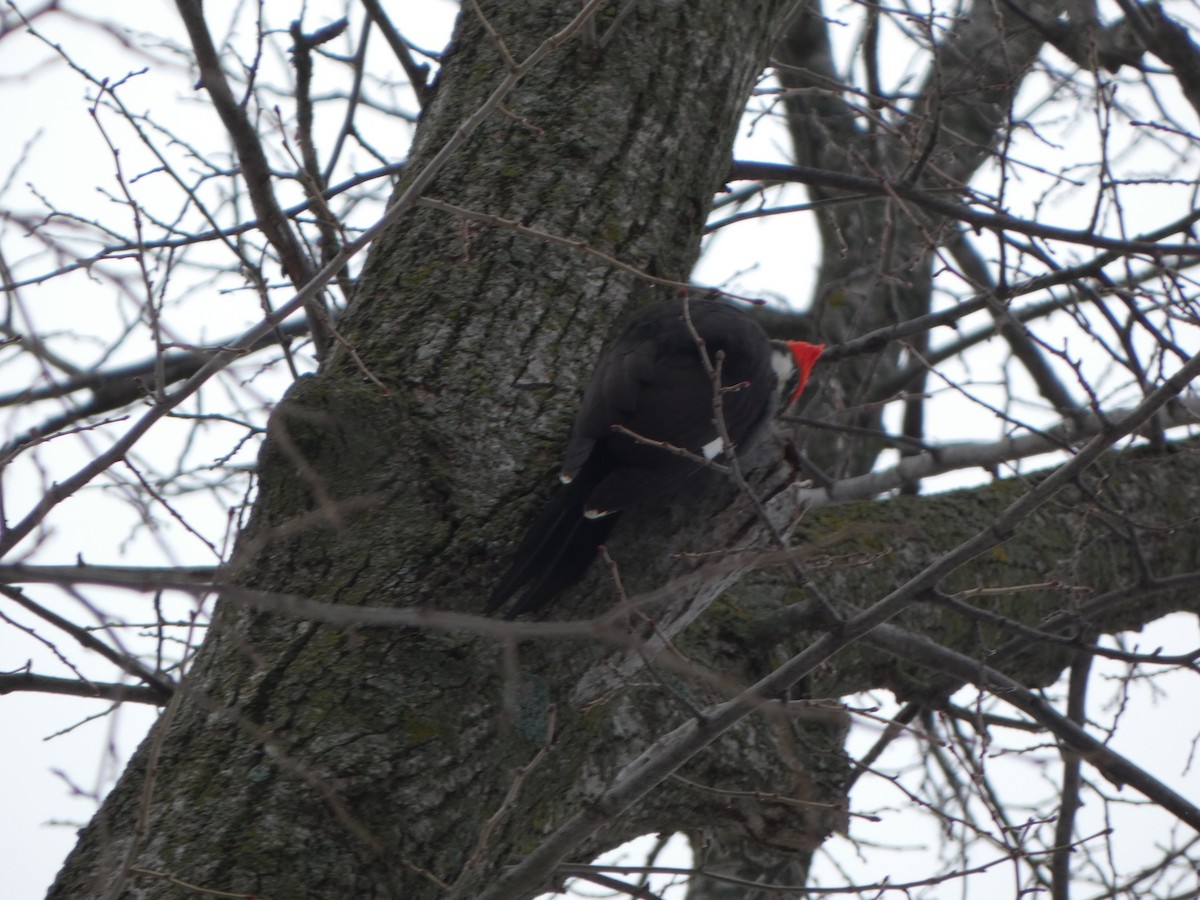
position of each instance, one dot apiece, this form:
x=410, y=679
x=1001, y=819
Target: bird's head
x=793, y=362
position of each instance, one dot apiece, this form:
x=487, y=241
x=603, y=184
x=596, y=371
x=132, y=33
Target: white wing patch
x=713, y=448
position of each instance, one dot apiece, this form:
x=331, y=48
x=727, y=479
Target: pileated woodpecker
x=652, y=389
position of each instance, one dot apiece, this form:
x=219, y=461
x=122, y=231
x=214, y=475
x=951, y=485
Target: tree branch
x=256, y=170
x=672, y=750
x=417, y=73
x=91, y=690
x=10, y=537
x=154, y=680
x=939, y=460
x=1116, y=768
x=999, y=222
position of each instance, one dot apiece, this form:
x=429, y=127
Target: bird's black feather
x=652, y=382
x=556, y=549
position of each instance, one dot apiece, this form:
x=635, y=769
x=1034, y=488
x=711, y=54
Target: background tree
x=1014, y=174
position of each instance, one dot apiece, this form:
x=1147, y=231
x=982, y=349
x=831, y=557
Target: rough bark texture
x=304, y=760
x=877, y=268
x=313, y=761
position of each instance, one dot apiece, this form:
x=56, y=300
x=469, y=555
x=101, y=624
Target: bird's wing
x=611, y=398
x=653, y=384
x=674, y=406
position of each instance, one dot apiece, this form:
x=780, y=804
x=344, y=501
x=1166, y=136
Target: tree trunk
x=306, y=760
x=879, y=252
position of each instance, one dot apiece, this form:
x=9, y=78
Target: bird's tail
x=555, y=551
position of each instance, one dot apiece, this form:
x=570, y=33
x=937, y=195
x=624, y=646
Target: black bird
x=652, y=383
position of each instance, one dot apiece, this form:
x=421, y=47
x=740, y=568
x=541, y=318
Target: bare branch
x=992, y=221
x=255, y=169
x=938, y=460
x=154, y=680
x=69, y=687
x=672, y=750
x=417, y=73
x=1116, y=768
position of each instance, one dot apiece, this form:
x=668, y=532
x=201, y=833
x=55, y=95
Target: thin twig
x=1116, y=768
x=674, y=748
x=508, y=805
x=416, y=72
x=999, y=222
x=122, y=661
x=256, y=171
x=1072, y=781
x=12, y=536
